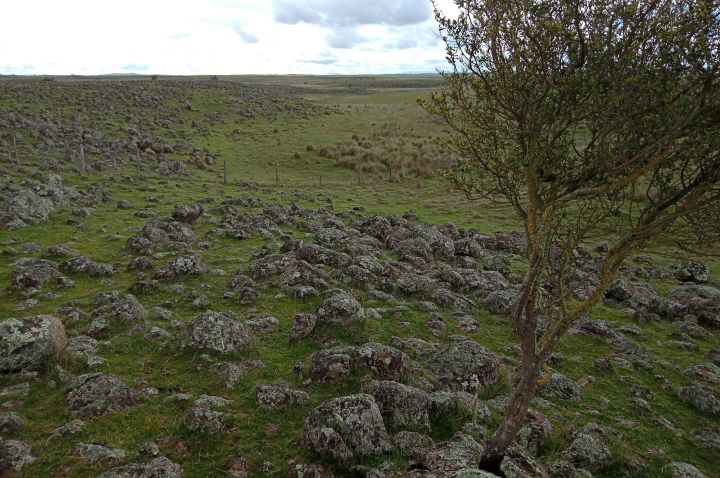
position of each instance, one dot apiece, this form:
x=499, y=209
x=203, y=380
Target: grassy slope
x=252, y=155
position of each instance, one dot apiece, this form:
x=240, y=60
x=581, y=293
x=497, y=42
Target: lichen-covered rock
x=457, y=404
x=30, y=274
x=331, y=365
x=560, y=386
x=336, y=364
x=159, y=467
x=466, y=366
x=519, y=463
x=26, y=207
x=692, y=271
x=86, y=265
x=303, y=325
x=347, y=427
x=95, y=394
x=707, y=437
x=588, y=451
x=449, y=458
x=141, y=263
x=14, y=455
x=201, y=417
x=214, y=331
x=684, y=470
x=339, y=308
x=701, y=399
x=9, y=422
x=115, y=308
x=403, y=407
x=98, y=453
x=412, y=283
x=707, y=372
x=161, y=234
x=279, y=396
x=386, y=363
x=188, y=213
x=410, y=443
x=30, y=342
x=502, y=301
x=299, y=469
x=189, y=264
x=61, y=251
x=535, y=430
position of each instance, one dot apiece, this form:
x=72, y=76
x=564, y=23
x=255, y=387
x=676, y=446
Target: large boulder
x=466, y=366
x=25, y=207
x=403, y=407
x=347, y=427
x=339, y=308
x=30, y=342
x=214, y=331
x=337, y=363
x=95, y=394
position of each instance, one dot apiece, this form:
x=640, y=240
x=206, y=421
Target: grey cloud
x=344, y=38
x=349, y=13
x=329, y=61
x=245, y=36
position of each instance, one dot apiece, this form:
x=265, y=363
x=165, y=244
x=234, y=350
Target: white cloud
x=218, y=37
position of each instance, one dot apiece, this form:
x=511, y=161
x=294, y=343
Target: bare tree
x=592, y=118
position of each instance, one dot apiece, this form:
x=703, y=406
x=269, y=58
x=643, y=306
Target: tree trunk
x=514, y=416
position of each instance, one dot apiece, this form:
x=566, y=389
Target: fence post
x=17, y=155
x=82, y=156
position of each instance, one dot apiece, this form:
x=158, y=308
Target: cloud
x=245, y=36
x=134, y=67
x=350, y=13
x=344, y=38
x=328, y=61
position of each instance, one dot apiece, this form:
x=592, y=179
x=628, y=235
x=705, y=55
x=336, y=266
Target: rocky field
x=190, y=287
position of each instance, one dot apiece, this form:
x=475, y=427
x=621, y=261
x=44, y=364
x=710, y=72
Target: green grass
x=252, y=148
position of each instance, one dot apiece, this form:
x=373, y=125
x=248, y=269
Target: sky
x=187, y=37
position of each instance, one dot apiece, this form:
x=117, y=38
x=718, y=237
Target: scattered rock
x=159, y=467
x=214, y=331
x=95, y=394
x=346, y=427
x=14, y=455
x=339, y=308
x=466, y=366
x=191, y=264
x=279, y=396
x=403, y=407
x=98, y=453
x=701, y=399
x=30, y=342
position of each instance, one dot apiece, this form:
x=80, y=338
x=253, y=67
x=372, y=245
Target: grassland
x=278, y=150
